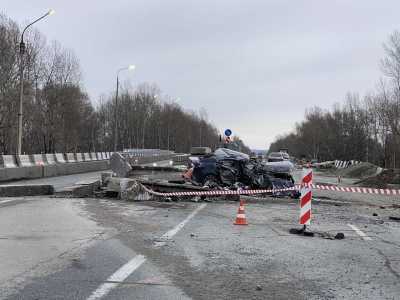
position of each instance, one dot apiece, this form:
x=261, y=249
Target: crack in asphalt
x=388, y=263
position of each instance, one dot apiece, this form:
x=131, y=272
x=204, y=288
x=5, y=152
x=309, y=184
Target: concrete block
x=93, y=156
x=60, y=158
x=86, y=157
x=79, y=157
x=32, y=172
x=26, y=190
x=39, y=159
x=50, y=158
x=80, y=189
x=70, y=157
x=50, y=170
x=9, y=161
x=24, y=160
x=119, y=165
x=3, y=176
x=14, y=173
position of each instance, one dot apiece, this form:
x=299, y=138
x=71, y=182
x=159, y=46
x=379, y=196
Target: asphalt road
x=55, y=248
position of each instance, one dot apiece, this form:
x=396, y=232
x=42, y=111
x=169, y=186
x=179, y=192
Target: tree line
x=60, y=117
x=362, y=128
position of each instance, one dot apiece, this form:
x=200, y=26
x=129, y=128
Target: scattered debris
x=258, y=288
x=389, y=178
x=192, y=235
x=375, y=214
x=394, y=218
x=339, y=236
x=301, y=231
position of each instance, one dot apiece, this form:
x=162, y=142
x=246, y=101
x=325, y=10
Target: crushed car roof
x=224, y=153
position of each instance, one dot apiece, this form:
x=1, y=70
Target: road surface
x=55, y=248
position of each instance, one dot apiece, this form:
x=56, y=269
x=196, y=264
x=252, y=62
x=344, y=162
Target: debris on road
x=339, y=236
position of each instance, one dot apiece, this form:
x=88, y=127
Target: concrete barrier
x=9, y=161
x=48, y=165
x=79, y=157
x=24, y=160
x=39, y=159
x=60, y=158
x=70, y=157
x=50, y=159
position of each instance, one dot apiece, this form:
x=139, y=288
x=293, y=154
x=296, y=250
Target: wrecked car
x=232, y=169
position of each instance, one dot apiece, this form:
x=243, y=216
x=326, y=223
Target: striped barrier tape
x=268, y=191
x=219, y=192
x=350, y=189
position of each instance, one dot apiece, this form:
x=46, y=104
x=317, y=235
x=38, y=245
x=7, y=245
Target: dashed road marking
x=360, y=233
x=168, y=235
x=118, y=277
x=122, y=273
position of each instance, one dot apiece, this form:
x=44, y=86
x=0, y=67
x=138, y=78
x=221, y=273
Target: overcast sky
x=255, y=66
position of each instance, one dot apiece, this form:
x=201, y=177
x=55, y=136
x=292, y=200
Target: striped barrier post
x=305, y=198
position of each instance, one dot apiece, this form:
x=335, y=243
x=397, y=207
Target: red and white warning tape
x=219, y=192
x=268, y=191
x=351, y=189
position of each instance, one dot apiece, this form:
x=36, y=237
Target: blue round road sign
x=228, y=132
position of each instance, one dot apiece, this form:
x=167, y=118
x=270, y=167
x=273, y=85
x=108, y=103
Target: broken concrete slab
x=26, y=190
x=128, y=189
x=105, y=177
x=119, y=165
x=75, y=191
x=80, y=189
x=133, y=191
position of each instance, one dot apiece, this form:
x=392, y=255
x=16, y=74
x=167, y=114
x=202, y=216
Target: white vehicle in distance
x=278, y=156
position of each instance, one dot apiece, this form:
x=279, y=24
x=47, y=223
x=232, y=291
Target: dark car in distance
x=232, y=169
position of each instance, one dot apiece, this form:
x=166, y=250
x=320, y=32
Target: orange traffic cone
x=241, y=216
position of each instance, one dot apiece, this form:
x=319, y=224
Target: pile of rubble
x=389, y=178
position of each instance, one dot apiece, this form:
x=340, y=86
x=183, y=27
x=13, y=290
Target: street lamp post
x=21, y=79
x=130, y=67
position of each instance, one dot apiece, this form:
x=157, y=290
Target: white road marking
x=5, y=201
x=360, y=233
x=122, y=273
x=119, y=276
x=168, y=235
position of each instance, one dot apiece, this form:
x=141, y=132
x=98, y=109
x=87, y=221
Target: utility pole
x=21, y=81
x=130, y=67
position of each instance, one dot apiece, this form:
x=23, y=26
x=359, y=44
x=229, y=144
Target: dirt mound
x=382, y=180
x=361, y=170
